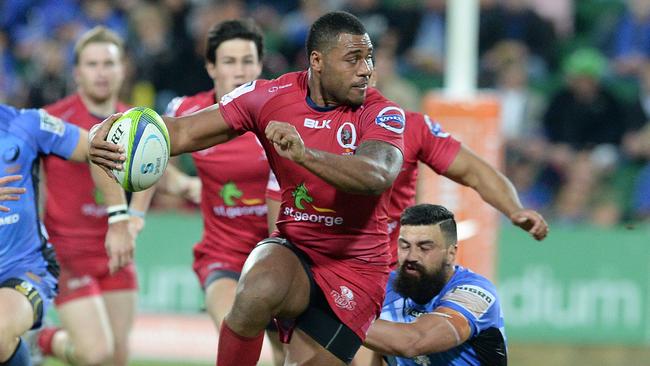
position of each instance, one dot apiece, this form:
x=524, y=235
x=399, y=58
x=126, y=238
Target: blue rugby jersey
x=25, y=135
x=470, y=294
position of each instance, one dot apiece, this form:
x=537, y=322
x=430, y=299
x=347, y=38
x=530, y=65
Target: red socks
x=44, y=340
x=237, y=350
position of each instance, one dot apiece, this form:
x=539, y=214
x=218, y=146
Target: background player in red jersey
x=335, y=147
x=97, y=298
x=233, y=175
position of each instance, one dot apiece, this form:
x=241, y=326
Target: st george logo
x=301, y=194
x=229, y=193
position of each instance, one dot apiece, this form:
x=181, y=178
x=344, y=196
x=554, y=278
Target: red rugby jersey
x=425, y=141
x=234, y=176
x=314, y=215
x=74, y=207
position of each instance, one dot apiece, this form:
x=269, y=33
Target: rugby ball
x=144, y=137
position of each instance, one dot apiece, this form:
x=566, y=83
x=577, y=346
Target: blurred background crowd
x=573, y=75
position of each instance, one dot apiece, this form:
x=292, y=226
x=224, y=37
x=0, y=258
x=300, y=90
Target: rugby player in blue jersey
x=28, y=269
x=436, y=312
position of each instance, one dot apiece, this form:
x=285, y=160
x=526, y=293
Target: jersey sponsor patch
x=237, y=92
x=435, y=127
x=392, y=119
x=51, y=124
x=474, y=299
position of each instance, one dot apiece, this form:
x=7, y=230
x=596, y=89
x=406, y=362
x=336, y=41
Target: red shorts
x=207, y=261
x=89, y=276
x=354, y=290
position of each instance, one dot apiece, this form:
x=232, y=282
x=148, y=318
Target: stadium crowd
x=574, y=76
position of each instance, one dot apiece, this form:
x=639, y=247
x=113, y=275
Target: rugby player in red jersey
x=97, y=297
x=335, y=146
x=233, y=176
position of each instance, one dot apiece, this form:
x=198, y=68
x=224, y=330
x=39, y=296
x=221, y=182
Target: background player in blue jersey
x=9, y=193
x=436, y=312
x=28, y=269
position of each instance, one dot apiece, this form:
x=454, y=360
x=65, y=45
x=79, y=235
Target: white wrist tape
x=117, y=218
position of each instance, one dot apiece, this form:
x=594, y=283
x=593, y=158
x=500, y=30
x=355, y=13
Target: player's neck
x=317, y=93
x=99, y=108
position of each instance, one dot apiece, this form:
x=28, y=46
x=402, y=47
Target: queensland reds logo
x=346, y=136
x=392, y=119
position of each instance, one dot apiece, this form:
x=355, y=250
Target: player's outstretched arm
x=119, y=242
x=189, y=133
x=496, y=189
x=371, y=170
x=430, y=333
x=10, y=193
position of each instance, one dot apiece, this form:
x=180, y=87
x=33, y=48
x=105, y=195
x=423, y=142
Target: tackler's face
x=346, y=69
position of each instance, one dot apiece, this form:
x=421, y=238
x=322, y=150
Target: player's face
x=236, y=63
x=424, y=260
x=346, y=69
x=100, y=72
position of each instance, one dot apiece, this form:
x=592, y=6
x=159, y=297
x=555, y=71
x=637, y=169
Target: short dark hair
x=428, y=214
x=233, y=29
x=327, y=28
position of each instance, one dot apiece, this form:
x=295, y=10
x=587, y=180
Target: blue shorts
x=33, y=280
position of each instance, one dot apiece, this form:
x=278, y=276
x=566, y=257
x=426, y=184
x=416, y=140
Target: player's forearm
x=390, y=338
x=497, y=190
x=197, y=131
x=273, y=210
x=352, y=174
x=428, y=334
x=140, y=201
x=111, y=191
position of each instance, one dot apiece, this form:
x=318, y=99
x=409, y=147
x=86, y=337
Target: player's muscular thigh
x=276, y=276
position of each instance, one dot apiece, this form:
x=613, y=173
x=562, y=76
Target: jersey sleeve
x=437, y=148
x=476, y=301
x=384, y=121
x=241, y=107
x=173, y=105
x=51, y=134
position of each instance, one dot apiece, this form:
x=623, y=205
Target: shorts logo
x=392, y=119
x=78, y=282
x=51, y=124
x=344, y=299
x=435, y=128
x=346, y=136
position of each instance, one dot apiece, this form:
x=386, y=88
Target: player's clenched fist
x=286, y=140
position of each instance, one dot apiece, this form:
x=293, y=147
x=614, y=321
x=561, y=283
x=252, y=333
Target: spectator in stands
x=584, y=124
x=513, y=24
x=631, y=48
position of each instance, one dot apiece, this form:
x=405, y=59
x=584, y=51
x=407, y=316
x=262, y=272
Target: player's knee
x=260, y=289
